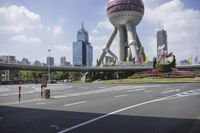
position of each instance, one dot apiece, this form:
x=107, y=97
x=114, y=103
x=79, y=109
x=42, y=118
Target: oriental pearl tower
x=125, y=15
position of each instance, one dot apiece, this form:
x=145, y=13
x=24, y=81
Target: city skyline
x=35, y=27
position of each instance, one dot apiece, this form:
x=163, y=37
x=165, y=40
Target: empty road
x=101, y=108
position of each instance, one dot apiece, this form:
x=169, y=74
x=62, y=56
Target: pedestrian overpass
x=133, y=68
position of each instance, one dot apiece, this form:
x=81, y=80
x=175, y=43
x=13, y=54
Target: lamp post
x=49, y=72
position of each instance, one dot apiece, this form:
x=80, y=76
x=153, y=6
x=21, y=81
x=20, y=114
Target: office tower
x=37, y=63
x=25, y=61
x=82, y=49
x=162, y=45
x=62, y=61
x=7, y=75
x=50, y=61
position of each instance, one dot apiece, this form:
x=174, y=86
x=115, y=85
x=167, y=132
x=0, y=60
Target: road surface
x=101, y=108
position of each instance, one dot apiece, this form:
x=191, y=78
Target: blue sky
x=28, y=28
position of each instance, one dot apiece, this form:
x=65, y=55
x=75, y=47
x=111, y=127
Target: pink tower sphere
x=121, y=12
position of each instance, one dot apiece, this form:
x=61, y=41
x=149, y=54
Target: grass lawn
x=153, y=80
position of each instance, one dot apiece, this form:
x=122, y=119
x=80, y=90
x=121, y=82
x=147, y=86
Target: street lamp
x=49, y=72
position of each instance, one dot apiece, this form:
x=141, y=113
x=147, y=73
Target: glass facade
x=82, y=49
x=77, y=53
x=89, y=55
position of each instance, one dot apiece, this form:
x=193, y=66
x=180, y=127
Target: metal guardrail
x=6, y=66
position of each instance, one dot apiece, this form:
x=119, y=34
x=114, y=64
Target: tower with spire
x=162, y=40
x=82, y=49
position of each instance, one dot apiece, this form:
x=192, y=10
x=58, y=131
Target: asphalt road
x=101, y=108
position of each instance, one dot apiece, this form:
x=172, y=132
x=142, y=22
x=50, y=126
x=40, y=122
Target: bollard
x=19, y=97
x=47, y=93
x=41, y=91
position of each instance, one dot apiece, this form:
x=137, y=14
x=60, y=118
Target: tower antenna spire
x=82, y=24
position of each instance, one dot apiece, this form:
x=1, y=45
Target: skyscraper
x=162, y=41
x=37, y=63
x=82, y=49
x=50, y=61
x=63, y=62
x=7, y=75
x=25, y=61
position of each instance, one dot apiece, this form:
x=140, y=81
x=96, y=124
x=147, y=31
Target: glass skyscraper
x=82, y=49
x=162, y=40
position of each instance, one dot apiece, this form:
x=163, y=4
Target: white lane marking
x=3, y=90
x=111, y=89
x=102, y=87
x=42, y=103
x=59, y=96
x=183, y=94
x=58, y=89
x=148, y=91
x=17, y=93
x=24, y=101
x=4, y=95
x=37, y=89
x=120, y=110
x=63, y=88
x=135, y=90
x=120, y=96
x=170, y=91
x=106, y=115
x=83, y=87
x=75, y=103
x=1, y=118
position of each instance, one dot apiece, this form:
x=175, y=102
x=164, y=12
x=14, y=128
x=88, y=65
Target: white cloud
x=95, y=32
x=25, y=39
x=21, y=29
x=62, y=49
x=57, y=30
x=105, y=24
x=18, y=19
x=182, y=26
x=3, y=53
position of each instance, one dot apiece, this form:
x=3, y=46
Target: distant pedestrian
x=154, y=63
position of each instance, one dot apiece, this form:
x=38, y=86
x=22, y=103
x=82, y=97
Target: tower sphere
x=121, y=12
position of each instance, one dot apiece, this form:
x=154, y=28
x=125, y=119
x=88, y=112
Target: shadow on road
x=28, y=120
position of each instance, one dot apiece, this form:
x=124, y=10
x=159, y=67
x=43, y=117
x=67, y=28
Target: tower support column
x=121, y=43
x=132, y=40
x=107, y=47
